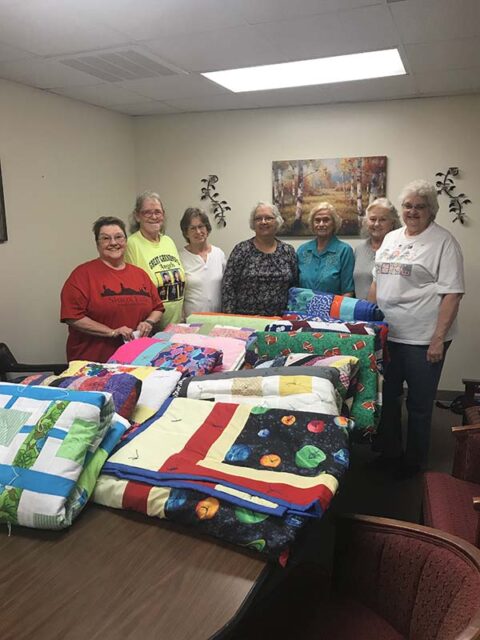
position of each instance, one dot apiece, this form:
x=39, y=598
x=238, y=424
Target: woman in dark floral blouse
x=260, y=270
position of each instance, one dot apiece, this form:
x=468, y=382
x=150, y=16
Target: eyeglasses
x=264, y=219
x=118, y=239
x=418, y=207
x=151, y=213
x=199, y=227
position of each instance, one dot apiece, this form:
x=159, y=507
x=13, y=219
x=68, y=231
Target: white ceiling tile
x=439, y=41
x=221, y=102
x=215, y=50
x=361, y=91
x=43, y=74
x=53, y=27
x=449, y=54
x=431, y=20
x=151, y=19
x=104, y=94
x=173, y=87
x=256, y=11
x=375, y=89
x=445, y=82
x=365, y=29
x=290, y=97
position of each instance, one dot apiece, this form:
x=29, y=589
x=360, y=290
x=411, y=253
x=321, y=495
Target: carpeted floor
x=375, y=492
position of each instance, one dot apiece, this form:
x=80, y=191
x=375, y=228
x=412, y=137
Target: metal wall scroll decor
x=447, y=186
x=219, y=207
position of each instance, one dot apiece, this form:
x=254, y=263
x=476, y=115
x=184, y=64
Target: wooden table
x=119, y=576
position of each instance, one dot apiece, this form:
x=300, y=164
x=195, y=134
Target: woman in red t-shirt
x=105, y=300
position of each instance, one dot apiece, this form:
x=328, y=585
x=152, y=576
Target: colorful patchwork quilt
x=377, y=329
x=209, y=320
x=288, y=460
x=188, y=359
x=246, y=475
x=125, y=388
x=316, y=389
x=53, y=443
x=327, y=305
x=366, y=406
x=156, y=384
x=204, y=514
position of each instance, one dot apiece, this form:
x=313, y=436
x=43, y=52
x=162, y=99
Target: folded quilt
x=209, y=320
x=125, y=388
x=366, y=406
x=377, y=329
x=186, y=358
x=346, y=366
x=53, y=443
x=225, y=331
x=204, y=514
x=156, y=384
x=316, y=389
x=182, y=327
x=327, y=305
x=290, y=459
x=232, y=349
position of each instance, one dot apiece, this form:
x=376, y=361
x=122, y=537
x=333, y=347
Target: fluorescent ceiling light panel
x=357, y=66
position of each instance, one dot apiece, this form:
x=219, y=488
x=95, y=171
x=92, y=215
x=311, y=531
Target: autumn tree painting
x=349, y=184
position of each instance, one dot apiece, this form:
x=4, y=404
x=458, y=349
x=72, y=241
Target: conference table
x=118, y=575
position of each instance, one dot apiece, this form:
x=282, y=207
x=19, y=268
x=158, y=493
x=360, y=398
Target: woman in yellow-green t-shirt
x=156, y=253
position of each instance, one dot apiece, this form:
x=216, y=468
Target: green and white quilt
x=53, y=444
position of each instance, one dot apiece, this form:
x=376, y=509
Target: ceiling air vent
x=121, y=64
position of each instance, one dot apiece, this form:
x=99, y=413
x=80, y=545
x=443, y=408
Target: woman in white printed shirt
x=418, y=284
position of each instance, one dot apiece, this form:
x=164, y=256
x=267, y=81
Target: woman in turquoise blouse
x=326, y=263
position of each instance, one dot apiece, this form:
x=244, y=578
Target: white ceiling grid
x=142, y=57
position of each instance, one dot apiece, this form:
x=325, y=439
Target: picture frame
x=3, y=218
x=350, y=184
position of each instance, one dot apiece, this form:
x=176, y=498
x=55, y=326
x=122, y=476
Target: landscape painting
x=349, y=184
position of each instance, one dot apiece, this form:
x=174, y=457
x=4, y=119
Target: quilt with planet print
x=274, y=459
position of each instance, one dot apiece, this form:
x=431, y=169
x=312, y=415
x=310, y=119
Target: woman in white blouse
x=204, y=264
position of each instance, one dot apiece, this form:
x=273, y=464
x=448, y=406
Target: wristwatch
x=150, y=322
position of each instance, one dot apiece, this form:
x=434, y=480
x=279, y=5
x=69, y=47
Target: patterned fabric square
x=11, y=421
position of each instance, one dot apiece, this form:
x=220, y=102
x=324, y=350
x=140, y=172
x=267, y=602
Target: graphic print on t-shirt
x=123, y=291
x=170, y=278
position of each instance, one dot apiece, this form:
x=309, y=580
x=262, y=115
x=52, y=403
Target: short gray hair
x=145, y=195
x=276, y=214
x=383, y=203
x=326, y=206
x=423, y=189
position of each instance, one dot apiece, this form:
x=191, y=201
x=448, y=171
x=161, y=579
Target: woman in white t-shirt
x=204, y=264
x=418, y=284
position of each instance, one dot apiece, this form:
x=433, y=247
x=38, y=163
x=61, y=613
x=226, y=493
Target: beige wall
x=64, y=163
x=420, y=137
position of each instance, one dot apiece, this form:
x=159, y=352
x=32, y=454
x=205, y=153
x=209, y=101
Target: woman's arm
x=446, y=315
x=146, y=326
x=346, y=273
x=94, y=328
x=372, y=294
